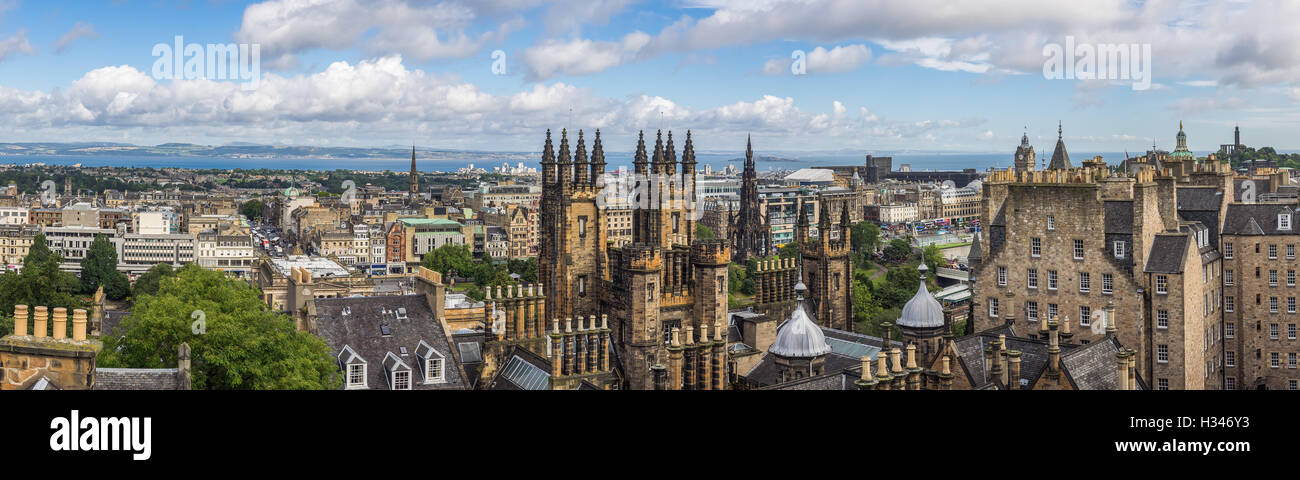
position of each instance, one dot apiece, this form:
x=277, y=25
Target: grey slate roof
x=1060, y=158
x=1199, y=198
x=1167, y=254
x=355, y=322
x=1258, y=219
x=1262, y=185
x=135, y=379
x=524, y=370
x=1119, y=216
x=1092, y=366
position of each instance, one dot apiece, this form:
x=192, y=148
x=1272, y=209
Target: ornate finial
x=1059, y=130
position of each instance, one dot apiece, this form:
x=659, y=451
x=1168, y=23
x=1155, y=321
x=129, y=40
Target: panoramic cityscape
x=618, y=195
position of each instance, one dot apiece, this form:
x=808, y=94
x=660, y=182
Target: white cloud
x=581, y=57
x=78, y=31
x=16, y=44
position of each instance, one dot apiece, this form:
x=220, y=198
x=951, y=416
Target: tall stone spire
x=1060, y=158
x=597, y=159
x=670, y=156
x=415, y=178
x=566, y=161
x=752, y=236
x=640, y=160
x=580, y=166
x=548, y=160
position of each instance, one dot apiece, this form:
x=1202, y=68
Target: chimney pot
x=20, y=320
x=60, y=323
x=79, y=325
x=39, y=325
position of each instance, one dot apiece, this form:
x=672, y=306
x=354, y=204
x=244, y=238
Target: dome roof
x=799, y=336
x=922, y=311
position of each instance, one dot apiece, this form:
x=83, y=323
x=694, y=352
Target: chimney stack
x=1053, y=349
x=20, y=320
x=1013, y=358
x=1121, y=369
x=1110, y=318
x=39, y=325
x=60, y=323
x=79, y=325
x=1132, y=369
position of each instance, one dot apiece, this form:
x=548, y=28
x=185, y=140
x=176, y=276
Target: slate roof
x=1119, y=216
x=135, y=379
x=1060, y=158
x=1092, y=366
x=356, y=322
x=111, y=320
x=1258, y=219
x=1033, y=356
x=1000, y=218
x=1168, y=253
x=1261, y=186
x=1199, y=198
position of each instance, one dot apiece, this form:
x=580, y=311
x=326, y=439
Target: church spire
x=415, y=177
x=639, y=160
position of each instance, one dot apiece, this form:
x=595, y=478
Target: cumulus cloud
x=79, y=31
x=842, y=58
x=424, y=31
x=581, y=57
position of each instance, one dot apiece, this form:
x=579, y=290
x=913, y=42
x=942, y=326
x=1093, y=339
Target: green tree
x=241, y=344
x=703, y=232
x=898, y=251
x=865, y=236
x=789, y=250
x=148, y=283
x=525, y=268
x=447, y=258
x=99, y=268
x=40, y=282
x=933, y=258
x=251, y=209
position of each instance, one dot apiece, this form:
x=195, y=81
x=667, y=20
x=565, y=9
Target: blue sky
x=881, y=75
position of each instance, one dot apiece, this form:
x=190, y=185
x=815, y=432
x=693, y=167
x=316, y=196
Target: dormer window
x=357, y=375
x=354, y=366
x=433, y=370
x=1284, y=221
x=432, y=362
x=399, y=373
x=402, y=380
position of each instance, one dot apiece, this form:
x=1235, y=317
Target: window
x=1290, y=278
x=1107, y=283
x=1290, y=250
x=1051, y=279
x=356, y=375
x=1228, y=278
x=582, y=226
x=582, y=285
x=1227, y=250
x=1231, y=384
x=1272, y=278
x=1162, y=384
x=1051, y=222
x=1085, y=282
x=1035, y=247
x=1272, y=304
x=402, y=380
x=433, y=370
x=1290, y=384
x=1162, y=353
x=1290, y=331
x=1033, y=278
x=1290, y=304
x=1051, y=311
x=1119, y=249
x=1272, y=252
x=1274, y=360
x=1078, y=249
x=1031, y=310
x=1229, y=359
x=1290, y=360
x=1162, y=319
x=1229, y=330
x=1002, y=276
x=1229, y=304
x=1162, y=284
x=1085, y=316
x=993, y=307
x=1284, y=221
x=1272, y=331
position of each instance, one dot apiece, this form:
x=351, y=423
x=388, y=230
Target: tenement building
x=1065, y=244
x=1259, y=302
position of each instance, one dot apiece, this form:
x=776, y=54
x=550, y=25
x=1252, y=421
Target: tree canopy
x=251, y=209
x=703, y=232
x=99, y=268
x=240, y=345
x=147, y=283
x=40, y=283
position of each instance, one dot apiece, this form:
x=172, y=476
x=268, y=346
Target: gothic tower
x=751, y=237
x=1060, y=158
x=415, y=179
x=571, y=261
x=827, y=267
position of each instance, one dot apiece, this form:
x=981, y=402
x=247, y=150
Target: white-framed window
x=402, y=380
x=1162, y=384
x=1032, y=277
x=1035, y=247
x=1229, y=304
x=1119, y=248
x=1272, y=331
x=1078, y=249
x=1272, y=252
x=1162, y=319
x=1031, y=310
x=1274, y=359
x=1162, y=353
x=1290, y=251
x=1162, y=284
x=1290, y=360
x=1229, y=330
x=1051, y=222
x=1230, y=383
x=1290, y=331
x=1290, y=278
x=1272, y=304
x=1290, y=304
x=1051, y=279
x=1291, y=385
x=433, y=370
x=1085, y=316
x=357, y=375
x=1002, y=276
x=1229, y=359
x=993, y=307
x=1085, y=282
x=1229, y=278
x=1107, y=283
x=1272, y=278
x=1227, y=250
x=1284, y=221
x=1051, y=311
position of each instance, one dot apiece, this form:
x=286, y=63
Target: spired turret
x=1060, y=158
x=580, y=166
x=597, y=160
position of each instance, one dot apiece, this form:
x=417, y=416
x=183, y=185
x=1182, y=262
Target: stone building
x=1259, y=304
x=828, y=267
x=751, y=236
